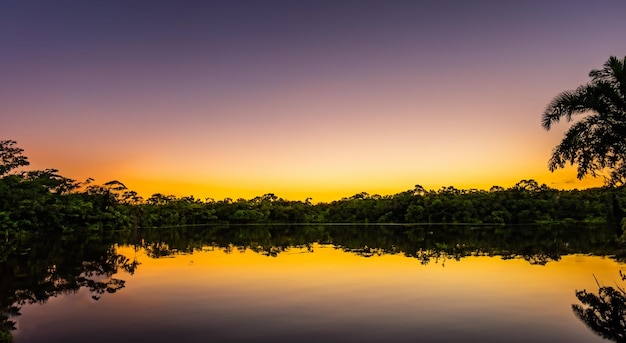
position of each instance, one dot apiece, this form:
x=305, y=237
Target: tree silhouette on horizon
x=597, y=142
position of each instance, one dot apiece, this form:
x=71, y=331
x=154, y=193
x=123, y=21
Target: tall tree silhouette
x=596, y=143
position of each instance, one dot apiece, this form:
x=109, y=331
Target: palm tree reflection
x=605, y=312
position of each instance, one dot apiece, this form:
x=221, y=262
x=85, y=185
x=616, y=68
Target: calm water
x=309, y=284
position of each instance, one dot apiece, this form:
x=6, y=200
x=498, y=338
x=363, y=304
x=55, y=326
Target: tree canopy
x=596, y=144
x=11, y=157
x=42, y=201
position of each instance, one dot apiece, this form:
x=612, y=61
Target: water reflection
x=604, y=313
x=35, y=271
x=535, y=244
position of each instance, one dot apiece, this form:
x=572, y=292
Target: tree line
x=44, y=201
x=524, y=203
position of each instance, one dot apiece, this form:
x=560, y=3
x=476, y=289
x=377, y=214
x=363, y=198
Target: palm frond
x=614, y=73
x=566, y=104
x=596, y=143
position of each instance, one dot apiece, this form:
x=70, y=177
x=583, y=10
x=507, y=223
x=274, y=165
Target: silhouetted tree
x=598, y=141
x=11, y=157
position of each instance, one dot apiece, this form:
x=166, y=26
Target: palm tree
x=597, y=142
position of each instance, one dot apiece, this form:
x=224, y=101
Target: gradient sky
x=320, y=99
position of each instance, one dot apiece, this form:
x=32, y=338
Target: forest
x=43, y=201
x=61, y=234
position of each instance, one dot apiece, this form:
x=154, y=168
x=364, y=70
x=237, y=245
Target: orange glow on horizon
x=323, y=179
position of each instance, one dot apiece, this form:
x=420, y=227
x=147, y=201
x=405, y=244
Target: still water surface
x=319, y=290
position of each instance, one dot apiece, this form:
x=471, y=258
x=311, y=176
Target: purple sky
x=298, y=98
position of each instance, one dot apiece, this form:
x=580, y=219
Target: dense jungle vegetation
x=44, y=201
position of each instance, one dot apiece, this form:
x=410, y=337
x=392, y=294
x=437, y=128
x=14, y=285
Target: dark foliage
x=43, y=201
x=604, y=313
x=597, y=142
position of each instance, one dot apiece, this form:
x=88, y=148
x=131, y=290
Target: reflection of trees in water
x=605, y=312
x=538, y=245
x=535, y=244
x=366, y=251
x=33, y=271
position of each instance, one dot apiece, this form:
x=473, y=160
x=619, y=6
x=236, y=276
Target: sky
x=320, y=99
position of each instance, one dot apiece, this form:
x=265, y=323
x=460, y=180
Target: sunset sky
x=320, y=99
